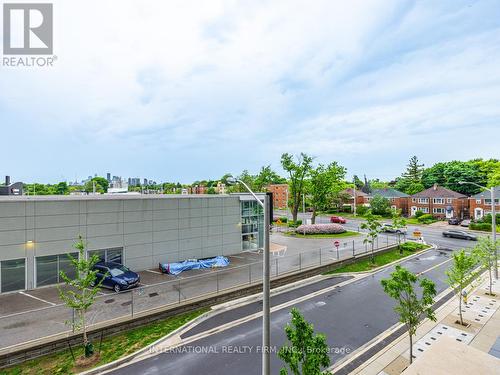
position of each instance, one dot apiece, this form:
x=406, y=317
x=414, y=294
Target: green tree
x=460, y=275
x=484, y=252
x=82, y=291
x=494, y=177
x=373, y=226
x=357, y=181
x=297, y=171
x=62, y=188
x=101, y=185
x=407, y=186
x=401, y=287
x=414, y=170
x=306, y=352
x=398, y=223
x=323, y=184
x=267, y=177
x=380, y=205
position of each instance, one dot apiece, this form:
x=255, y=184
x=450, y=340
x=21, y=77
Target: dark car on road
x=454, y=221
x=116, y=276
x=459, y=234
x=388, y=228
x=338, y=220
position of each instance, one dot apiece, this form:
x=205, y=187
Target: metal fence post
x=132, y=302
x=338, y=254
x=277, y=268
x=353, y=248
x=387, y=236
x=300, y=261
x=217, y=273
x=320, y=256
x=73, y=318
x=250, y=273
x=179, y=290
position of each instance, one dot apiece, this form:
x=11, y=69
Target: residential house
x=280, y=195
x=480, y=204
x=440, y=202
x=398, y=199
x=356, y=196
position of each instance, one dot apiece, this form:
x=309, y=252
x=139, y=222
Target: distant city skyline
x=199, y=89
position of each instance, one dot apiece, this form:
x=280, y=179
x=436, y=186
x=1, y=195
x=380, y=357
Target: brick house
x=480, y=204
x=362, y=199
x=280, y=195
x=440, y=202
x=398, y=199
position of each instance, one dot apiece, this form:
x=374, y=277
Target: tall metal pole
x=494, y=228
x=266, y=283
x=266, y=286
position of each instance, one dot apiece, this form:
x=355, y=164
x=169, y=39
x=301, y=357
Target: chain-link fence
x=40, y=323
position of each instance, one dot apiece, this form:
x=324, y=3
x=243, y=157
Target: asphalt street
x=350, y=316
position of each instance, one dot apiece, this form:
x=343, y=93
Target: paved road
x=350, y=316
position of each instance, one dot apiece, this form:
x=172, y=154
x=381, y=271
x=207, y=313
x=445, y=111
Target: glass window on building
x=48, y=268
x=12, y=275
x=114, y=255
x=252, y=225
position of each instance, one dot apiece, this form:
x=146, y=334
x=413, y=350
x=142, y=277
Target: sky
x=191, y=90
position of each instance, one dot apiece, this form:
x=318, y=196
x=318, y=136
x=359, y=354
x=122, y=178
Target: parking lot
x=34, y=314
x=32, y=300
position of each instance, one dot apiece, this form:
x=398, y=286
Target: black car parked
x=116, y=276
x=454, y=221
x=460, y=234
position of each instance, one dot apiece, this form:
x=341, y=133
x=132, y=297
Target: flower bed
x=320, y=229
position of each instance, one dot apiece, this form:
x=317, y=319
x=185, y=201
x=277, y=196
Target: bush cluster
x=320, y=229
x=294, y=224
x=362, y=210
x=412, y=246
x=480, y=226
x=426, y=219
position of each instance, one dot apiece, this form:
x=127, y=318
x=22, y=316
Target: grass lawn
x=409, y=248
x=112, y=348
x=337, y=235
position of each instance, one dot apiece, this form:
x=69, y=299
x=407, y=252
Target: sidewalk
x=482, y=312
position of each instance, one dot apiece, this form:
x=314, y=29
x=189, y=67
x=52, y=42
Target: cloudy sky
x=187, y=90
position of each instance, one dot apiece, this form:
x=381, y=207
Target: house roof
x=486, y=194
x=389, y=193
x=359, y=193
x=437, y=191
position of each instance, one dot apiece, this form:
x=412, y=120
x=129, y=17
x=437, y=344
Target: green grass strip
x=112, y=347
x=409, y=248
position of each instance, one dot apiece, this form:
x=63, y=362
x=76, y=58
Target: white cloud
x=201, y=78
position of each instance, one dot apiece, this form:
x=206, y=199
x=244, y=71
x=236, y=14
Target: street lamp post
x=493, y=219
x=266, y=281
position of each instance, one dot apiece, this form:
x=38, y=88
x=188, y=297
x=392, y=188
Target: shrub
x=362, y=210
x=426, y=219
x=380, y=205
x=294, y=224
x=412, y=246
x=320, y=229
x=418, y=213
x=283, y=219
x=488, y=219
x=486, y=227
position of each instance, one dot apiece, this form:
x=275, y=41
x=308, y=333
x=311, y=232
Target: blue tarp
x=193, y=264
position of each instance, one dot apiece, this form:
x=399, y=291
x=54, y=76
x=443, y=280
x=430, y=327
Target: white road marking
x=39, y=299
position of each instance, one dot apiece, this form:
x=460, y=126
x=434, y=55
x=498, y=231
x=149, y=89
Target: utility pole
x=354, y=202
